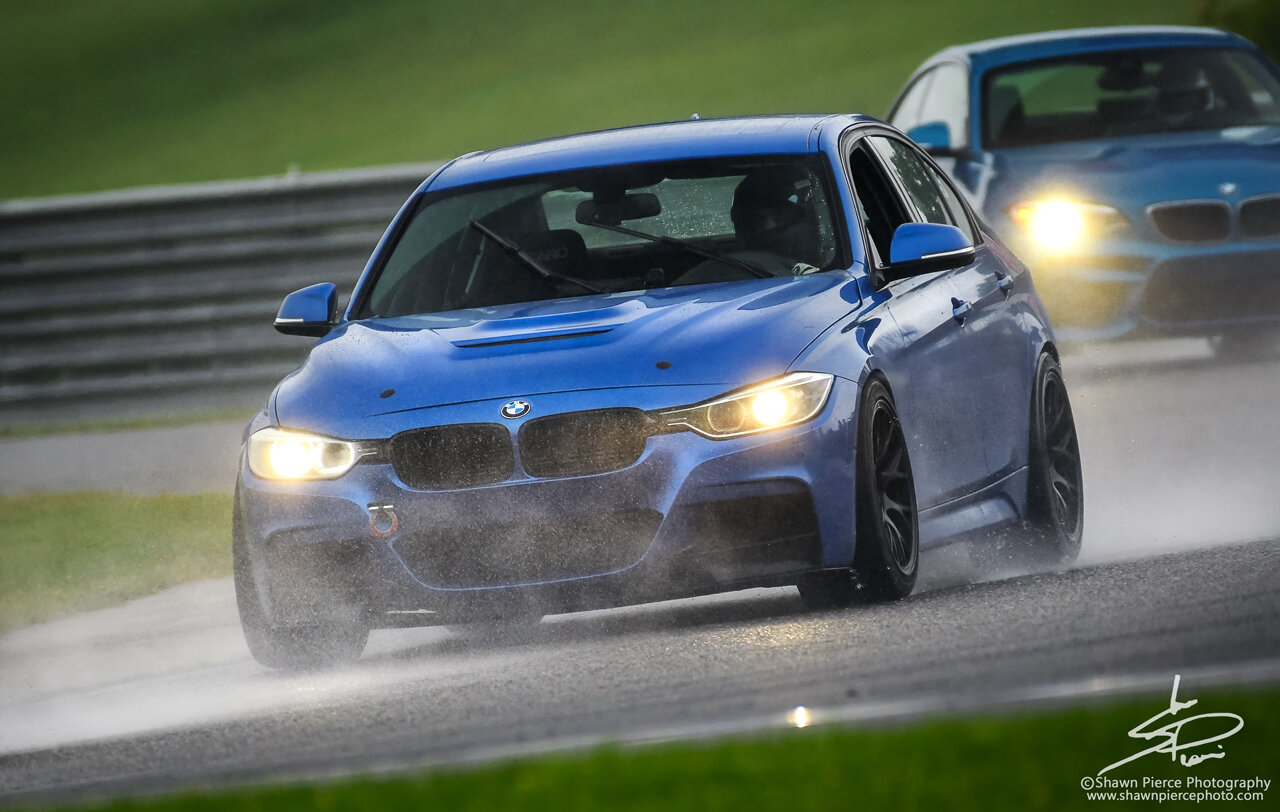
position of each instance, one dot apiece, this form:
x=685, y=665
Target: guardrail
x=114, y=303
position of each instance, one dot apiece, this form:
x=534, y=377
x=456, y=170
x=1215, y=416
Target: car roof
x=677, y=140
x=1048, y=44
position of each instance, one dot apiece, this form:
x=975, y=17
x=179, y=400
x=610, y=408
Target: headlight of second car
x=774, y=404
x=276, y=453
x=1063, y=226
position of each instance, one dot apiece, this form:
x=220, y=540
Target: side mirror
x=935, y=138
x=309, y=312
x=919, y=248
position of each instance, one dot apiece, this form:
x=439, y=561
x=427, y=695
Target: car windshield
x=1119, y=93
x=608, y=230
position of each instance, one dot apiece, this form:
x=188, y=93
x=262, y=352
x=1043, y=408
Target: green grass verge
x=103, y=95
x=1023, y=762
x=65, y=553
x=106, y=425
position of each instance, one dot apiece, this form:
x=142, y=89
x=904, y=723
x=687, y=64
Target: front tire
x=887, y=549
x=290, y=647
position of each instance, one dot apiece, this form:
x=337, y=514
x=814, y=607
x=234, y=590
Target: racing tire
x=887, y=550
x=1055, y=483
x=293, y=648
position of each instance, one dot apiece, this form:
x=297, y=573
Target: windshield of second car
x=607, y=230
x=1119, y=93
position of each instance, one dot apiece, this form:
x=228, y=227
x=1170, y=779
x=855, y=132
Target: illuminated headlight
x=285, y=454
x=1060, y=226
x=774, y=404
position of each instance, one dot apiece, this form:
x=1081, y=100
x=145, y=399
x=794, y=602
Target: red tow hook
x=383, y=520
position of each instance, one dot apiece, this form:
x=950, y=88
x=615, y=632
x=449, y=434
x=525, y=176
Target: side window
x=947, y=100
x=879, y=207
x=906, y=113
x=915, y=177
x=959, y=214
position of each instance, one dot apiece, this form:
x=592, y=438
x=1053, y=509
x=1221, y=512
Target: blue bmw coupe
x=1135, y=169
x=647, y=363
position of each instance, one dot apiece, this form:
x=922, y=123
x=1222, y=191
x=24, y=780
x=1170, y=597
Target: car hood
x=726, y=334
x=1134, y=172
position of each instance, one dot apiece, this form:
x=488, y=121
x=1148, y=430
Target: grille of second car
x=1260, y=218
x=1193, y=222
x=580, y=443
x=447, y=457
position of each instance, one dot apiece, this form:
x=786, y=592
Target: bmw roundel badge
x=516, y=408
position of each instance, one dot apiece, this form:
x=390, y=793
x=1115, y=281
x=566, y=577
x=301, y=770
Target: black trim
x=930, y=264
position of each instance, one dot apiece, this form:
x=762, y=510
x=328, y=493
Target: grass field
x=114, y=424
x=69, y=553
x=101, y=95
x=1026, y=762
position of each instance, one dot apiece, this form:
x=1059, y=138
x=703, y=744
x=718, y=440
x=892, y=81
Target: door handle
x=1004, y=282
x=959, y=309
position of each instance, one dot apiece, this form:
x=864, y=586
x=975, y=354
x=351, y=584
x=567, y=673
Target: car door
x=995, y=364
x=920, y=358
x=993, y=286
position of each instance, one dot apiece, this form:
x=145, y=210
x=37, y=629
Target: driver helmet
x=1182, y=90
x=768, y=213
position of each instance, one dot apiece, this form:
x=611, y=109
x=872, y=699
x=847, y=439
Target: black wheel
x=887, y=550
x=1055, y=488
x=293, y=647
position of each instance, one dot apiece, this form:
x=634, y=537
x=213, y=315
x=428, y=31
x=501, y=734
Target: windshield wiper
x=749, y=267
x=528, y=261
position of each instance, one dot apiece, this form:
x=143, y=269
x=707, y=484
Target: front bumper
x=1136, y=288
x=691, y=515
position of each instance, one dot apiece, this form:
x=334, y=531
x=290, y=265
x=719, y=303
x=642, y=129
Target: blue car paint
x=962, y=387
x=465, y=355
x=1129, y=173
x=914, y=241
x=704, y=138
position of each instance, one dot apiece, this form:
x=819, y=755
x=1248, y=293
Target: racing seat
x=559, y=249
x=502, y=280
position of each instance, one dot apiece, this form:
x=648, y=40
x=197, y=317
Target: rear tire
x=291, y=647
x=887, y=549
x=1055, y=488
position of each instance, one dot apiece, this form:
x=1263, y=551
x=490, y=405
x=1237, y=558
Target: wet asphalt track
x=1179, y=457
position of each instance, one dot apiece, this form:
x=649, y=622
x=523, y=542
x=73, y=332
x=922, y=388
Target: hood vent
x=502, y=341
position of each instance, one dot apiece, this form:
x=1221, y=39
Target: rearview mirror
x=635, y=206
x=919, y=248
x=311, y=311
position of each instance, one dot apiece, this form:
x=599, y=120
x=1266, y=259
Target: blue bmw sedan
x=1135, y=169
x=647, y=363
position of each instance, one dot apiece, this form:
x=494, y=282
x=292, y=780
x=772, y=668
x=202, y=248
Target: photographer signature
x=1171, y=731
